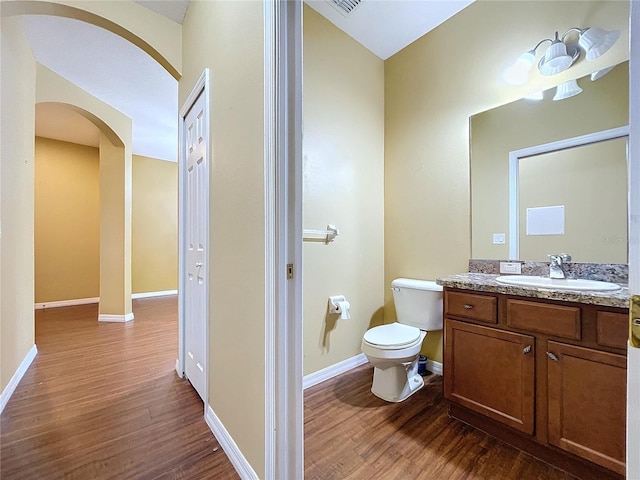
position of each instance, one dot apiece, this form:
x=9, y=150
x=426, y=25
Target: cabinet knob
x=526, y=350
x=466, y=306
x=553, y=356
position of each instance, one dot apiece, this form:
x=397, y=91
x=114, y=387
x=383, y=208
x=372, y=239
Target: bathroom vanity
x=542, y=370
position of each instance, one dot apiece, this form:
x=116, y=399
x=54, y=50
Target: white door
x=196, y=200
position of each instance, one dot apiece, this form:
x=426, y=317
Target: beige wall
x=343, y=155
x=18, y=69
x=432, y=87
x=115, y=228
x=115, y=187
x=154, y=233
x=17, y=107
x=227, y=37
x=67, y=221
x=590, y=182
x=602, y=105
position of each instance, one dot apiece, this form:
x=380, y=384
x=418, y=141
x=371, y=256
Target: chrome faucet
x=555, y=265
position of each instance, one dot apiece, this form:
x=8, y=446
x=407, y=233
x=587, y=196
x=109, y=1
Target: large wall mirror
x=551, y=176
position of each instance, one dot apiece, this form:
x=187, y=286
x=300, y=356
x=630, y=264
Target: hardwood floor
x=103, y=401
x=351, y=434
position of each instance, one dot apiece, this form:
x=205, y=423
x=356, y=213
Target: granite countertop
x=484, y=282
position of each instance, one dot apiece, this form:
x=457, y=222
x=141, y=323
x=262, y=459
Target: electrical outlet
x=511, y=267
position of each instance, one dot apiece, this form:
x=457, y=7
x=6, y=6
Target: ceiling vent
x=345, y=7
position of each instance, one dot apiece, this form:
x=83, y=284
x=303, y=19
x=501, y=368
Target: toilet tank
x=418, y=303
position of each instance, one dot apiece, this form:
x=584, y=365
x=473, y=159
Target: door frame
x=633, y=354
x=284, y=427
x=282, y=34
x=201, y=87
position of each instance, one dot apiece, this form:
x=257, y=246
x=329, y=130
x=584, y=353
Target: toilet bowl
x=394, y=349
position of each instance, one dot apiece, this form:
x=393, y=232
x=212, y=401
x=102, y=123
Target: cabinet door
x=491, y=372
x=587, y=403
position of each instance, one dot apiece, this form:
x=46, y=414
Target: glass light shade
x=556, y=59
x=597, y=41
x=567, y=90
x=518, y=73
x=600, y=73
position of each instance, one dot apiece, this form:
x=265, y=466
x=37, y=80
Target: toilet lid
x=395, y=334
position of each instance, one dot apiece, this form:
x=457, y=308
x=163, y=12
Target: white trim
x=160, y=293
x=66, y=303
x=103, y=317
x=434, y=367
x=284, y=427
x=334, y=370
x=237, y=459
x=514, y=167
x=633, y=358
x=634, y=165
x=344, y=366
x=17, y=376
x=201, y=86
x=271, y=245
x=633, y=406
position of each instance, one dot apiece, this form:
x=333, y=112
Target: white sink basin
x=558, y=283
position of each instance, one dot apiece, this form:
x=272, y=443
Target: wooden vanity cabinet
x=548, y=377
x=587, y=401
x=491, y=372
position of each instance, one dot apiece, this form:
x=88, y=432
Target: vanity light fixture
x=601, y=73
x=571, y=88
x=566, y=90
x=561, y=54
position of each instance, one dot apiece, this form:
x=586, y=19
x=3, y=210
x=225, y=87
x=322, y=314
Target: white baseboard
x=333, y=370
x=103, y=317
x=86, y=301
x=66, y=303
x=161, y=293
x=236, y=457
x=15, y=379
x=434, y=367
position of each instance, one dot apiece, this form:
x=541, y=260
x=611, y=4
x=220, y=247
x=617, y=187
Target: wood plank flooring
x=103, y=401
x=352, y=434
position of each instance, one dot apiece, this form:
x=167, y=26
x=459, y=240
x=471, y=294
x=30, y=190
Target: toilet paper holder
x=339, y=305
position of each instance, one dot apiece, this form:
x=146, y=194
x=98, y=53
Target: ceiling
x=113, y=70
x=123, y=76
x=383, y=26
x=387, y=26
x=172, y=9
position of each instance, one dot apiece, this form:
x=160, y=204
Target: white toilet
x=394, y=349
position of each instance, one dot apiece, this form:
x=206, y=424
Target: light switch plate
x=499, y=238
x=511, y=267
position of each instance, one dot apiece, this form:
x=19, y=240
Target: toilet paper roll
x=345, y=306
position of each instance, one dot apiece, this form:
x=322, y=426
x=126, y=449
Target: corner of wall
x=17, y=124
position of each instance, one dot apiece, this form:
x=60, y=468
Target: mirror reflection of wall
x=602, y=105
x=590, y=183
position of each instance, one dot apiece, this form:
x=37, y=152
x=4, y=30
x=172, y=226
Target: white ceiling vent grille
x=345, y=7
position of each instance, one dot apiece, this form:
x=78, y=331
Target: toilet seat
x=392, y=336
